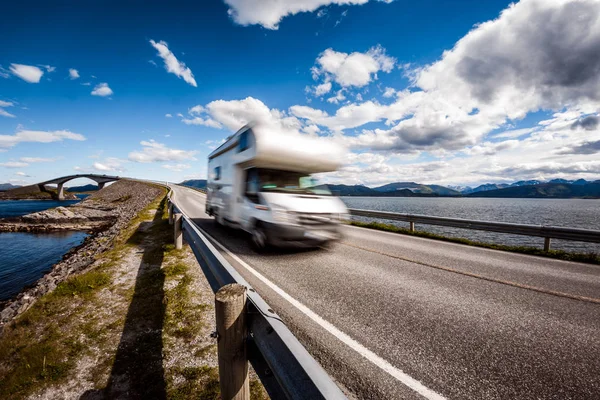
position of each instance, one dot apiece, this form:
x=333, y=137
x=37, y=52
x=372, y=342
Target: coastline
x=119, y=203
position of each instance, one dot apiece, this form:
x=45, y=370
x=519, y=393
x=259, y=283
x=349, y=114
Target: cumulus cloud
x=354, y=69
x=20, y=173
x=172, y=64
x=168, y=116
x=583, y=148
x=112, y=164
x=28, y=73
x=202, y=121
x=73, y=73
x=22, y=136
x=3, y=112
x=153, y=151
x=589, y=123
x=269, y=13
x=102, y=90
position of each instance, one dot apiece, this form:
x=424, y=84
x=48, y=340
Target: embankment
x=104, y=214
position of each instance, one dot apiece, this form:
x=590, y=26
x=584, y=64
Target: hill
x=8, y=186
x=84, y=188
x=545, y=190
x=195, y=183
x=417, y=188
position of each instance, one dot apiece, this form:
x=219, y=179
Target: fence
x=547, y=232
x=283, y=365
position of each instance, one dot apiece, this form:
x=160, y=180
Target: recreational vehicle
x=261, y=181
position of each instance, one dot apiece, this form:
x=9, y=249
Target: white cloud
x=20, y=173
x=339, y=96
x=109, y=164
x=86, y=84
x=73, y=73
x=173, y=65
x=48, y=68
x=354, y=69
x=102, y=90
x=322, y=88
x=177, y=167
x=389, y=92
x=7, y=141
x=269, y=13
x=168, y=115
x=201, y=121
x=36, y=159
x=13, y=164
x=28, y=73
x=153, y=151
x=3, y=112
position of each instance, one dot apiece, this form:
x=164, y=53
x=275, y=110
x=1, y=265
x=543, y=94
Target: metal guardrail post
x=171, y=213
x=546, y=244
x=230, y=309
x=178, y=231
x=412, y=226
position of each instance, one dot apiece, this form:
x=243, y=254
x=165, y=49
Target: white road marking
x=344, y=338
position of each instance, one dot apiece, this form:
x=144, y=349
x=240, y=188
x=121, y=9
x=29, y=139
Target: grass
x=589, y=258
x=41, y=347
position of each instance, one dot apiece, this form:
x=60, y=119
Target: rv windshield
x=271, y=180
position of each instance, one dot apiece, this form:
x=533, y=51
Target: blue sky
x=370, y=75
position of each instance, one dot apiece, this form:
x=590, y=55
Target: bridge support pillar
x=101, y=185
x=60, y=191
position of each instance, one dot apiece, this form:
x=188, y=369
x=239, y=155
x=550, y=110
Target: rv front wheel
x=259, y=238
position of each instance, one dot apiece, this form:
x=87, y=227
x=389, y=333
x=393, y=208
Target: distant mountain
x=562, y=181
x=417, y=188
x=582, y=182
x=528, y=183
x=84, y=188
x=351, y=190
x=544, y=190
x=195, y=183
x=486, y=186
x=8, y=186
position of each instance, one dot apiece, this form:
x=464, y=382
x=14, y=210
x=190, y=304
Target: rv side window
x=217, y=173
x=252, y=185
x=243, y=141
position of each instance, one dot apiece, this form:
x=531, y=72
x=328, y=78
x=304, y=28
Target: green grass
x=42, y=345
x=590, y=258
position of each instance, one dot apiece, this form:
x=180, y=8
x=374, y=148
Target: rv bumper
x=281, y=235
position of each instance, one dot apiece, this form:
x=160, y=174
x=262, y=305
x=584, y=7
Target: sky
x=453, y=93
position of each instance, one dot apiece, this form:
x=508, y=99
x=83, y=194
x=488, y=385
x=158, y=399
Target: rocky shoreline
x=104, y=214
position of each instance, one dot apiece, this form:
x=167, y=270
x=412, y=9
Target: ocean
x=574, y=213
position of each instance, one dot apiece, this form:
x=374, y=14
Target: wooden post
x=547, y=244
x=178, y=231
x=412, y=226
x=170, y=213
x=230, y=308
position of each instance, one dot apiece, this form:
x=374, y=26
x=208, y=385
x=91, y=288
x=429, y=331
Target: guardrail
x=547, y=232
x=283, y=365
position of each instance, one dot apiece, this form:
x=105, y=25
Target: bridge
x=101, y=180
x=393, y=316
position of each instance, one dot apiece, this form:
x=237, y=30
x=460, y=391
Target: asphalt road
x=465, y=322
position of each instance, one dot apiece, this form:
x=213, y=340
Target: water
x=26, y=257
x=16, y=208
x=574, y=213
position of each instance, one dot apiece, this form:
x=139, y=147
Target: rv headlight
x=282, y=215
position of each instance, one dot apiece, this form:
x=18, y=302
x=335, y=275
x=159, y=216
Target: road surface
x=399, y=317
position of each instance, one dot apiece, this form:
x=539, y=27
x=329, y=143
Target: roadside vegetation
x=590, y=258
x=135, y=324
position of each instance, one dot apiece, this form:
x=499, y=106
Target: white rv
x=260, y=181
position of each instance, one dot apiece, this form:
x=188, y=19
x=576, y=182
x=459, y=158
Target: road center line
x=398, y=374
x=482, y=277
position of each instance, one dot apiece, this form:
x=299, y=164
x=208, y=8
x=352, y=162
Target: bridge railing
x=546, y=232
x=283, y=365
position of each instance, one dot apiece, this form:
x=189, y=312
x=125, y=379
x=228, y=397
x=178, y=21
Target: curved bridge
x=59, y=182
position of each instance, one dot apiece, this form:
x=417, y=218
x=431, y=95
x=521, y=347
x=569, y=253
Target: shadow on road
x=137, y=372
